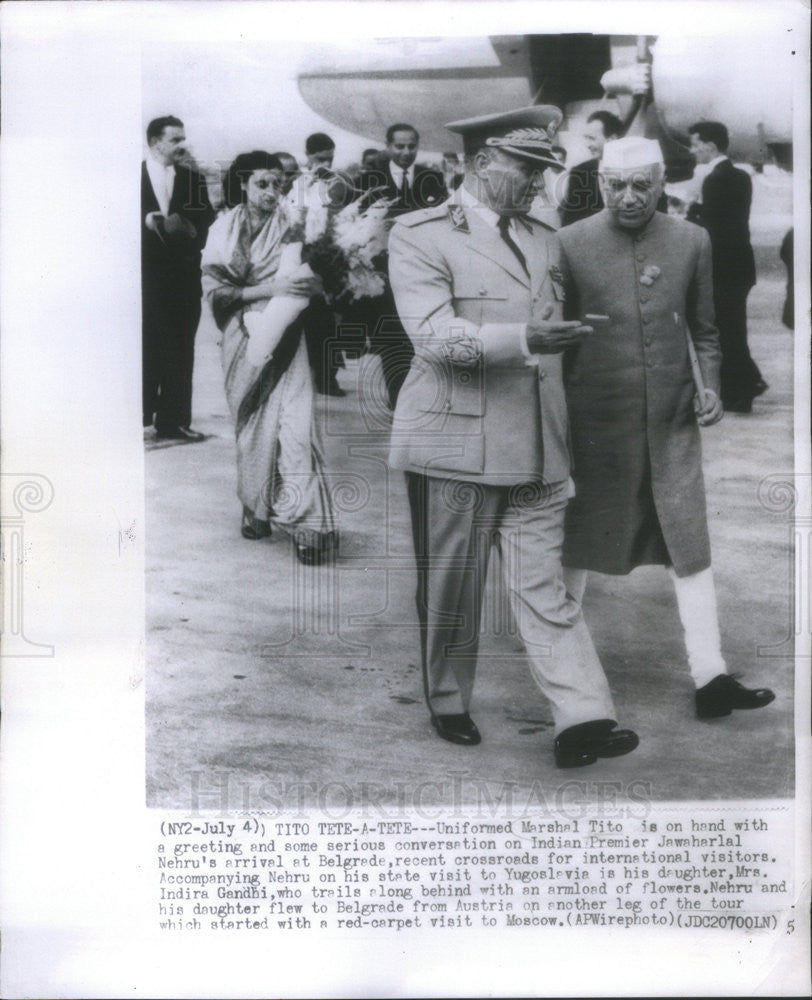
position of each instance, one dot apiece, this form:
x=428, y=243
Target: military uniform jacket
x=630, y=390
x=472, y=407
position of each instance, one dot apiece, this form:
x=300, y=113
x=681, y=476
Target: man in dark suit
x=725, y=213
x=583, y=190
x=408, y=186
x=175, y=217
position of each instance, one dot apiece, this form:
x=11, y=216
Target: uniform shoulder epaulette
x=422, y=215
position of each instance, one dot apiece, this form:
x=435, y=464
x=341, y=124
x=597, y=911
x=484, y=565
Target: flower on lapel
x=650, y=274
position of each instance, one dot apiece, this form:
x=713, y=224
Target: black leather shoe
x=252, y=528
x=457, y=729
x=315, y=553
x=583, y=744
x=179, y=434
x=724, y=693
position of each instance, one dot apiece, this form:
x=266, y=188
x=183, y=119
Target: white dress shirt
x=162, y=179
x=397, y=173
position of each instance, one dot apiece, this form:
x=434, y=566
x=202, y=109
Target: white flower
x=650, y=274
x=293, y=209
x=357, y=238
x=363, y=282
x=365, y=231
x=317, y=215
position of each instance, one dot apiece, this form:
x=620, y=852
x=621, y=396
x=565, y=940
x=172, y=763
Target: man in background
x=290, y=171
x=452, y=170
x=725, y=212
x=583, y=190
x=318, y=319
x=175, y=217
x=408, y=186
x=319, y=151
x=402, y=180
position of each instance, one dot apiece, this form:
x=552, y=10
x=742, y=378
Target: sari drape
x=280, y=465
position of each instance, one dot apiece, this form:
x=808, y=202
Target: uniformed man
x=480, y=430
x=635, y=401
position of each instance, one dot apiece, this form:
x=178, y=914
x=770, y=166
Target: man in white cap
x=480, y=430
x=636, y=399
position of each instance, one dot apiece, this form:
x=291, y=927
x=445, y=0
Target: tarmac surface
x=274, y=686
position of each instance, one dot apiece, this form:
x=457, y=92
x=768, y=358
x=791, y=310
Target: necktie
x=404, y=189
x=504, y=232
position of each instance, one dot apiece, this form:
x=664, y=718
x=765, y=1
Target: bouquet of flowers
x=344, y=246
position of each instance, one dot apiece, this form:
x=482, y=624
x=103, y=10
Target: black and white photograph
x=422, y=446
x=456, y=583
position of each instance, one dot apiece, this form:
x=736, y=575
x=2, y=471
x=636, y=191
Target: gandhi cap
x=524, y=132
x=631, y=152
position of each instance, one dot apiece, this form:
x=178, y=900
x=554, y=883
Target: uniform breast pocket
x=459, y=391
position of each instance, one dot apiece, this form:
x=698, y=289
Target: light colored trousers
x=696, y=600
x=454, y=525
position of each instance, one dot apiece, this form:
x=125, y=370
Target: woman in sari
x=280, y=469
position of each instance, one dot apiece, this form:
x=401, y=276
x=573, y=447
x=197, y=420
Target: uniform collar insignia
x=458, y=219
